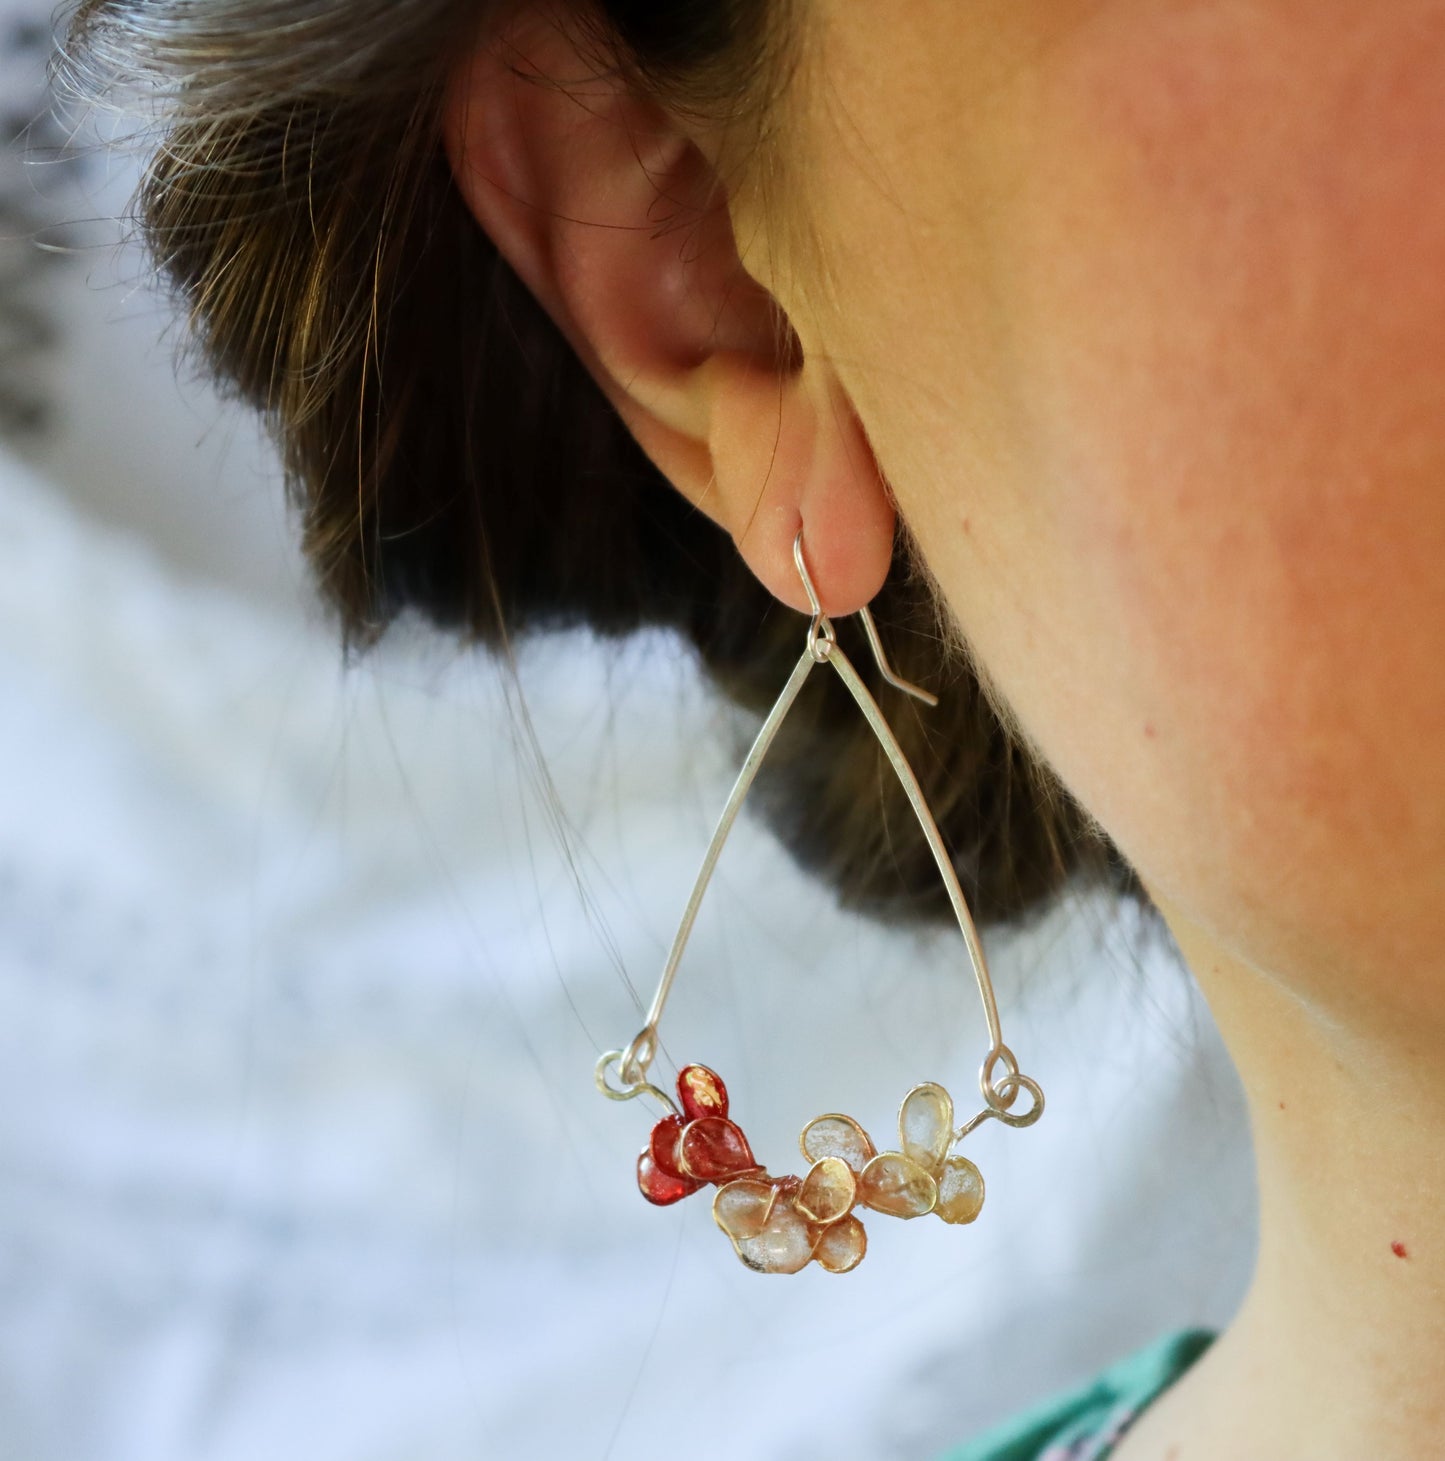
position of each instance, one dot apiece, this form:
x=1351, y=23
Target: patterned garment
x=1086, y=1424
x=1097, y=1446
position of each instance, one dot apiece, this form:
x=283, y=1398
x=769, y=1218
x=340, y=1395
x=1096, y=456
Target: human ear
x=613, y=216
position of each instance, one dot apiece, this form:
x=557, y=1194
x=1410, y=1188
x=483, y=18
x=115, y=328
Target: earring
x=781, y=1224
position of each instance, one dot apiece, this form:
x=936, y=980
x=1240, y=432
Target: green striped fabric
x=1084, y=1424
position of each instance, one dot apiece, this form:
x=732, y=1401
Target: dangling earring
x=781, y=1224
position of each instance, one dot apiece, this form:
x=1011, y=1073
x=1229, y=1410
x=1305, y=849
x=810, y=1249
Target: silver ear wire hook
x=822, y=625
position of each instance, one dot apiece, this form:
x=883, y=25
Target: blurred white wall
x=130, y=433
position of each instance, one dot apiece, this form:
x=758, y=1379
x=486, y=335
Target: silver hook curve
x=822, y=623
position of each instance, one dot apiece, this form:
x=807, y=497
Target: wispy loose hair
x=448, y=453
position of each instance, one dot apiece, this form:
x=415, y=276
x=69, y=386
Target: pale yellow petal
x=829, y=1191
x=837, y=1136
x=741, y=1208
x=842, y=1245
x=925, y=1125
x=960, y=1191
x=784, y=1245
x=894, y=1184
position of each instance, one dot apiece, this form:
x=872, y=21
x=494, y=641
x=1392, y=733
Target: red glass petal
x=702, y=1092
x=714, y=1150
x=659, y=1186
x=665, y=1146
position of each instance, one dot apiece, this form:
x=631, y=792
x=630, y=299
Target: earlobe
x=797, y=456
x=618, y=223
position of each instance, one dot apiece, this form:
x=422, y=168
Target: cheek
x=1194, y=522
x=1232, y=304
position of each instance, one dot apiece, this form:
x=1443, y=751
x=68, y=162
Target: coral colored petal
x=714, y=1150
x=662, y=1187
x=892, y=1183
x=837, y=1136
x=701, y=1092
x=960, y=1191
x=785, y=1244
x=742, y=1208
x=665, y=1145
x=925, y=1124
x=828, y=1192
x=841, y=1245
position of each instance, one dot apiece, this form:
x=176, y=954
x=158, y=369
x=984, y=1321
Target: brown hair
x=449, y=453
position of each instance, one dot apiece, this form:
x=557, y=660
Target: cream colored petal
x=925, y=1125
x=896, y=1185
x=837, y=1136
x=960, y=1191
x=783, y=1246
x=841, y=1245
x=741, y=1208
x=829, y=1191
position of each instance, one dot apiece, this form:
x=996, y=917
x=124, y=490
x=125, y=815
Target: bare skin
x=1339, y=1346
x=1134, y=310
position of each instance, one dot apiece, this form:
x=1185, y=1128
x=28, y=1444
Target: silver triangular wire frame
x=822, y=647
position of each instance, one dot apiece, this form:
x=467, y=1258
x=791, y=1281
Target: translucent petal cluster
x=701, y=1145
x=781, y=1224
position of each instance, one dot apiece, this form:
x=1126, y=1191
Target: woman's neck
x=1339, y=1348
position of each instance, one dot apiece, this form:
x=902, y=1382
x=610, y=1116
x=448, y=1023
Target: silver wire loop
x=821, y=647
x=991, y=1093
x=821, y=638
x=820, y=632
x=628, y=1092
x=999, y=1095
x=638, y=1056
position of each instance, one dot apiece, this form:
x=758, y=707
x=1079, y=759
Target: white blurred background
x=302, y=977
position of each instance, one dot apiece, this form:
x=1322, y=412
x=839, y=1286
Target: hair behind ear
x=448, y=451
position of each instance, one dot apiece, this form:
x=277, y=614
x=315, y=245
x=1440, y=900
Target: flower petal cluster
x=781, y=1224
x=699, y=1146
